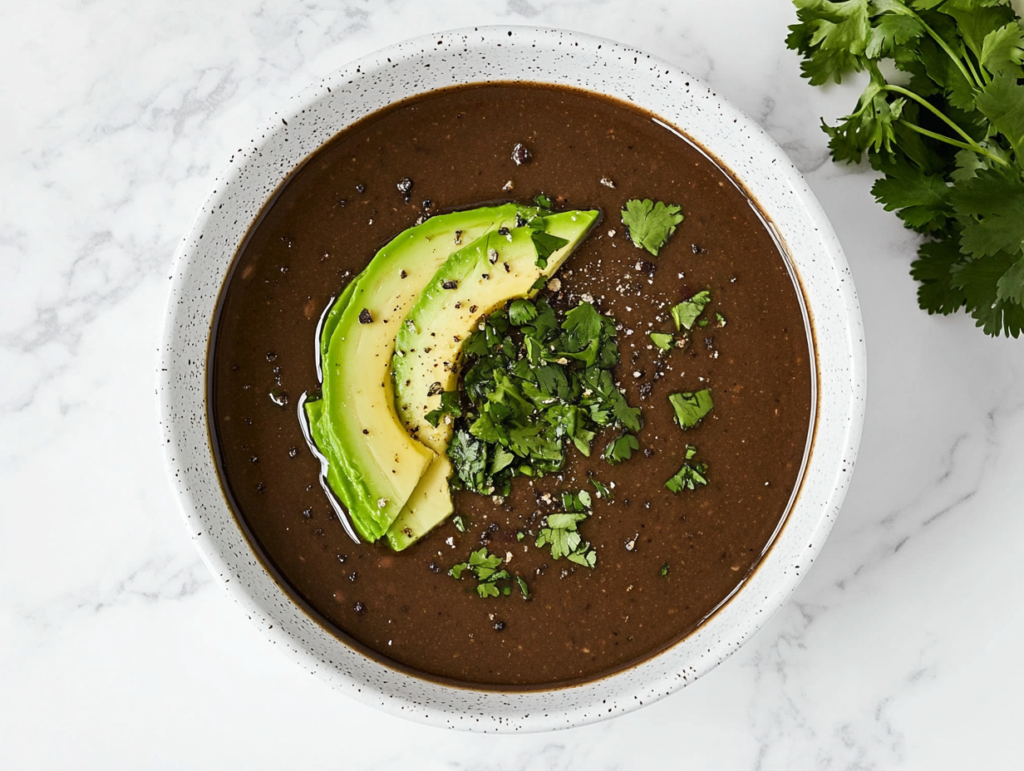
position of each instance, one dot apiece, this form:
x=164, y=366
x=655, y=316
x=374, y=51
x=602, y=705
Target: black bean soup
x=665, y=561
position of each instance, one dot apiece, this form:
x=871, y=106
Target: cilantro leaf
x=686, y=312
x=546, y=244
x=1002, y=50
x=832, y=36
x=663, y=340
x=690, y=408
x=991, y=206
x=1011, y=284
x=933, y=269
x=602, y=489
x=543, y=202
x=561, y=534
x=650, y=224
x=582, y=326
x=1002, y=102
x=979, y=281
x=621, y=448
x=523, y=588
x=521, y=312
x=487, y=590
x=469, y=459
x=923, y=199
x=688, y=478
x=449, y=406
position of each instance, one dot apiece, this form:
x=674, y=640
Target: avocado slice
x=373, y=463
x=472, y=283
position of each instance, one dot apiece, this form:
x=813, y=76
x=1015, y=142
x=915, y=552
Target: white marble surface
x=118, y=650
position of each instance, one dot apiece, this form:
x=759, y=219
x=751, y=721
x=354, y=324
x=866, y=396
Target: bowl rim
x=382, y=695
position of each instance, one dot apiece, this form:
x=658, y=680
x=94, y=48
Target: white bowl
x=546, y=56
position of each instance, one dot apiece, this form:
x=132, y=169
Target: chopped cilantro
x=664, y=570
x=561, y=534
x=650, y=224
x=663, y=340
x=690, y=408
x=521, y=311
x=621, y=448
x=602, y=489
x=523, y=588
x=484, y=568
x=487, y=590
x=686, y=312
x=720, y=319
x=543, y=201
x=546, y=244
x=534, y=381
x=459, y=524
x=688, y=478
x=449, y=406
x=948, y=140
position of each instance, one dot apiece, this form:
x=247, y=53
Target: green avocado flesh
x=472, y=283
x=374, y=465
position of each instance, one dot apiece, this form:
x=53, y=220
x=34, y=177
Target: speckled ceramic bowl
x=509, y=54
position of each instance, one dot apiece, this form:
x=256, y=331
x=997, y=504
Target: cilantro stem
x=979, y=73
x=962, y=145
x=971, y=144
x=952, y=54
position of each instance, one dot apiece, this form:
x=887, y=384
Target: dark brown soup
x=325, y=225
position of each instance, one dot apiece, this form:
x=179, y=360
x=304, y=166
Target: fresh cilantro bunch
x=947, y=138
x=533, y=381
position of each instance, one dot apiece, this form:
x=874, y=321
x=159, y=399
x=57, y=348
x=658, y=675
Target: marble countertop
x=118, y=649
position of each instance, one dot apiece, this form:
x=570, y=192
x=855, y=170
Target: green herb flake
x=459, y=524
x=690, y=408
x=663, y=340
x=543, y=202
x=546, y=244
x=650, y=224
x=449, y=406
x=621, y=448
x=487, y=590
x=688, y=478
x=686, y=312
x=720, y=319
x=523, y=588
x=560, y=533
x=602, y=489
x=521, y=312
x=664, y=570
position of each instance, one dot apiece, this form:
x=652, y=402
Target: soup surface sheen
x=325, y=225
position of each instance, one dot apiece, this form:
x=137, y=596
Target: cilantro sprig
x=560, y=532
x=491, y=582
x=949, y=143
x=535, y=380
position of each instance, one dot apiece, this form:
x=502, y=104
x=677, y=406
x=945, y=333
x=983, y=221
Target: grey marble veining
x=899, y=650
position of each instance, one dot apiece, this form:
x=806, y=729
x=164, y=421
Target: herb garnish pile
x=949, y=142
x=534, y=380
